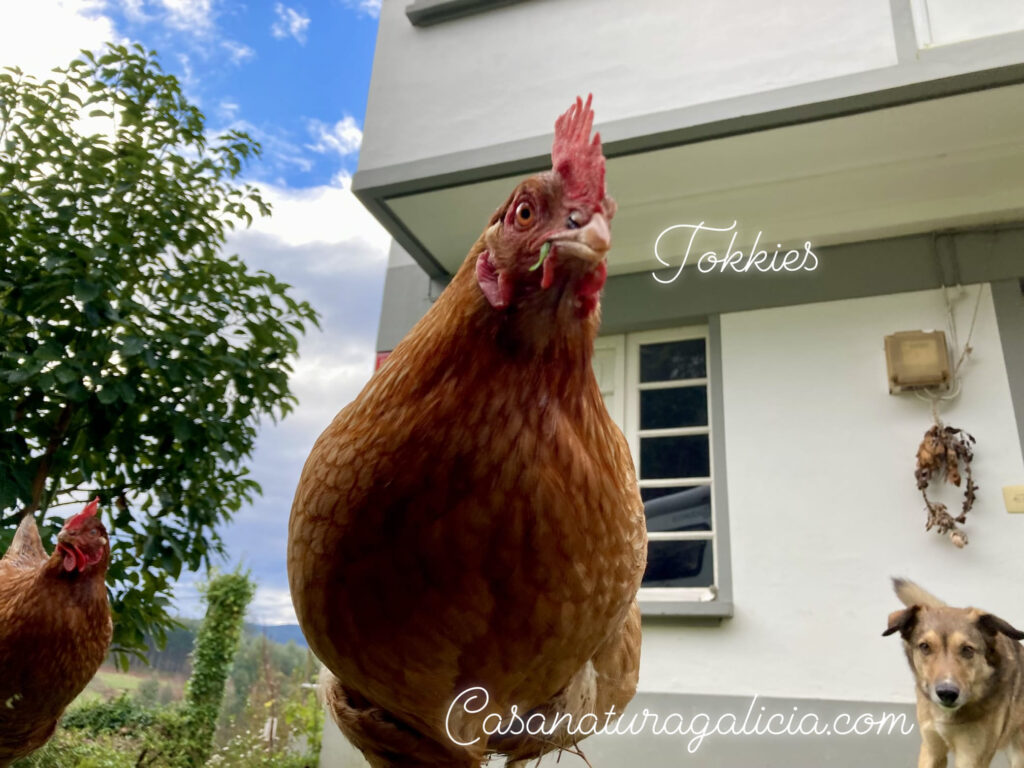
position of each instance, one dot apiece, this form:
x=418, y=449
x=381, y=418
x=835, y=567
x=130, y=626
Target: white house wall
x=941, y=22
x=823, y=505
x=501, y=75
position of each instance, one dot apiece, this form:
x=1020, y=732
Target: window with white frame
x=656, y=387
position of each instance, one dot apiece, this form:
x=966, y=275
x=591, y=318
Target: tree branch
x=39, y=482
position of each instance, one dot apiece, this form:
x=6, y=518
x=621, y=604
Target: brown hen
x=472, y=518
x=54, y=627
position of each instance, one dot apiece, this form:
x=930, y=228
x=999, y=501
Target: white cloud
x=343, y=138
x=272, y=606
x=134, y=10
x=278, y=151
x=369, y=7
x=324, y=214
x=191, y=15
x=290, y=23
x=238, y=52
x=43, y=34
x=227, y=110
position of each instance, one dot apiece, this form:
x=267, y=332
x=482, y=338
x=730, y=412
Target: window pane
x=668, y=457
x=679, y=564
x=649, y=494
x=672, y=360
x=680, y=407
x=678, y=509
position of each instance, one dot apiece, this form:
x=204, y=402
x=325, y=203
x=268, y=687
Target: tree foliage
x=227, y=596
x=135, y=358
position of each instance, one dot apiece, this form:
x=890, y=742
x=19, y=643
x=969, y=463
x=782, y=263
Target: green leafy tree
x=136, y=359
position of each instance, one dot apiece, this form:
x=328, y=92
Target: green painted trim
x=636, y=302
x=720, y=484
x=821, y=100
x=922, y=78
x=424, y=13
x=1008, y=300
x=404, y=237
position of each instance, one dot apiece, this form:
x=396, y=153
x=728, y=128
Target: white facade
x=500, y=76
x=887, y=131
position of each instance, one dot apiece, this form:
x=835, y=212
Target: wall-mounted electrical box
x=917, y=359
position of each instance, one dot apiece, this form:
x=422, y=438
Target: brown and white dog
x=969, y=670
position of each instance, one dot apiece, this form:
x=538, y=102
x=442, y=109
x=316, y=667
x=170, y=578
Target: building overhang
x=848, y=160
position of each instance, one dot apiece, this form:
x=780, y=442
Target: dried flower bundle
x=945, y=453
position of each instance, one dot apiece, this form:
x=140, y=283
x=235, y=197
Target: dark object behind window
x=673, y=361
x=679, y=563
x=668, y=457
x=676, y=407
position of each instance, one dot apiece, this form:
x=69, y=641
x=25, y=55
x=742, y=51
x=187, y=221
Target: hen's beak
x=589, y=243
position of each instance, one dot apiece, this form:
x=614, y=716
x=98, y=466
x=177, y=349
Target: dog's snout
x=947, y=693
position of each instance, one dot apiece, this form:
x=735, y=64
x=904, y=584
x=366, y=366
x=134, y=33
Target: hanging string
x=936, y=398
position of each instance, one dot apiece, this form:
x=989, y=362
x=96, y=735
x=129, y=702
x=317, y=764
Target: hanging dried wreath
x=946, y=453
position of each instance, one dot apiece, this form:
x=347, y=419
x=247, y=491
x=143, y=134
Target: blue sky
x=295, y=76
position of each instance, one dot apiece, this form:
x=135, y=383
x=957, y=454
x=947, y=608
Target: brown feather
x=26, y=547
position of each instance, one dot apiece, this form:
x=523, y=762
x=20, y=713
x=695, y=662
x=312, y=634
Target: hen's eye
x=524, y=214
x=924, y=648
x=967, y=652
x=573, y=222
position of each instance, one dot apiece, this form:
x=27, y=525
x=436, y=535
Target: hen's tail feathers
x=606, y=682
x=384, y=740
x=26, y=547
x=910, y=594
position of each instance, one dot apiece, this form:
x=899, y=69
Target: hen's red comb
x=576, y=158
x=77, y=521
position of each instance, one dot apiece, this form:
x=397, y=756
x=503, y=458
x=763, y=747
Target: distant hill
x=279, y=633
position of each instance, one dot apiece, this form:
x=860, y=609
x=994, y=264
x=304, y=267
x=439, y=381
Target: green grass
x=117, y=681
x=109, y=683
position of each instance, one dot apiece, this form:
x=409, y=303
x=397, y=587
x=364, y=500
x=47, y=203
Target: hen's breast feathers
x=469, y=519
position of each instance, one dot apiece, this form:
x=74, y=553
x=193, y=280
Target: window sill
x=423, y=13
x=714, y=610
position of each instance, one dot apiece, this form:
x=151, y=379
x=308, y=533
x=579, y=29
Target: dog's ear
x=990, y=625
x=902, y=621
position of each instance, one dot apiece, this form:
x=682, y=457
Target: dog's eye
x=967, y=652
x=924, y=648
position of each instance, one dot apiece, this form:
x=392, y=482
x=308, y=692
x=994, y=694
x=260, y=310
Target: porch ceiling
x=938, y=164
